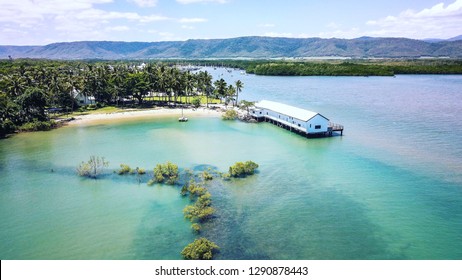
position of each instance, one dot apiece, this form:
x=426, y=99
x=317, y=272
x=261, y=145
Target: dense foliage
x=242, y=169
x=166, y=173
x=229, y=115
x=200, y=249
x=31, y=90
x=202, y=209
x=338, y=67
x=354, y=69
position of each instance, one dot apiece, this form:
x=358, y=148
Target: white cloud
x=279, y=34
x=192, y=20
x=439, y=21
x=286, y=35
x=201, y=1
x=65, y=20
x=350, y=33
x=145, y=3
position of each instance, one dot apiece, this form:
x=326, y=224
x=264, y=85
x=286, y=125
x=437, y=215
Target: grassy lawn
x=104, y=110
x=182, y=99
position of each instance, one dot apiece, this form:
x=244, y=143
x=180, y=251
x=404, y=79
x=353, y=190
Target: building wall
x=317, y=124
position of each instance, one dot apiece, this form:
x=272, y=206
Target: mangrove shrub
x=200, y=249
x=124, y=169
x=166, y=173
x=200, y=211
x=230, y=115
x=242, y=169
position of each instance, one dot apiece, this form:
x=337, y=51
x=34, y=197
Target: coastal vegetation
x=200, y=249
x=242, y=169
x=93, y=167
x=33, y=92
x=165, y=173
x=126, y=169
x=341, y=67
x=229, y=115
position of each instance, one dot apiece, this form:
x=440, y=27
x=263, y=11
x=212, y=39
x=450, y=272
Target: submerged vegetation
x=202, y=209
x=126, y=169
x=200, y=249
x=194, y=186
x=242, y=169
x=93, y=167
x=165, y=173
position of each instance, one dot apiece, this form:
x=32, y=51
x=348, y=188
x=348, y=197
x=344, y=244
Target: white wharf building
x=295, y=119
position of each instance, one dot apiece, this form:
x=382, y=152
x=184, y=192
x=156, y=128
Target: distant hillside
x=242, y=47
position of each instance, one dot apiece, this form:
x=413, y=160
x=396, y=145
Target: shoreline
x=139, y=114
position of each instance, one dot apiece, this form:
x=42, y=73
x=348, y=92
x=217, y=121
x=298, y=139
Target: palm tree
x=16, y=85
x=230, y=92
x=239, y=85
x=220, y=88
x=205, y=85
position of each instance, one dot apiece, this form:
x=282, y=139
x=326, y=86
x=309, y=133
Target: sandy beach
x=136, y=114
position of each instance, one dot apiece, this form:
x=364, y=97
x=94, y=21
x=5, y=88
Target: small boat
x=182, y=118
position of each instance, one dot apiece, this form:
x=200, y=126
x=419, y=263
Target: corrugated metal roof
x=298, y=113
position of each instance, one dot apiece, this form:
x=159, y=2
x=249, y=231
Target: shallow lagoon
x=391, y=188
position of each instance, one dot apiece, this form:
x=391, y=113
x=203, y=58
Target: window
x=317, y=127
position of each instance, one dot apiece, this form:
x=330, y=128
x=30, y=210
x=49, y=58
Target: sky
x=41, y=22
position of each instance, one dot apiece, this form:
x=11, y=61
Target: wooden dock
x=334, y=127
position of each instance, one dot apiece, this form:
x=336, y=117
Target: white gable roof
x=298, y=113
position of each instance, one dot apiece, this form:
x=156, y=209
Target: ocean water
x=390, y=188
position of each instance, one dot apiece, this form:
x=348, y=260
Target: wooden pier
x=334, y=127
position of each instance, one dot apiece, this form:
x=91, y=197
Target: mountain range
x=243, y=47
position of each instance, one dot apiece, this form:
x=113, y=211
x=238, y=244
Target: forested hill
x=242, y=47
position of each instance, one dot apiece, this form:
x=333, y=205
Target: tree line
x=31, y=89
x=340, y=67
x=359, y=68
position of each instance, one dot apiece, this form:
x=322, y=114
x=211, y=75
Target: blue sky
x=40, y=22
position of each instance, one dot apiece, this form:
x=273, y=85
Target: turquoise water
x=391, y=188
